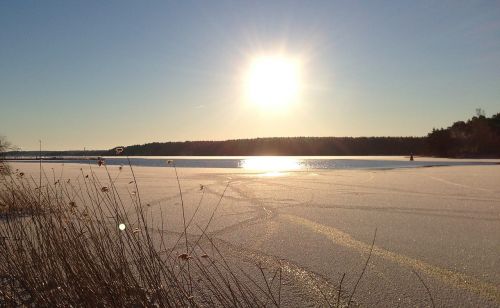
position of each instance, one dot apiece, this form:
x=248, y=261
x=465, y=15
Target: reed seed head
x=184, y=256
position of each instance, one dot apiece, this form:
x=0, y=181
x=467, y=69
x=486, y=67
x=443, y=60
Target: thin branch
x=364, y=268
x=426, y=288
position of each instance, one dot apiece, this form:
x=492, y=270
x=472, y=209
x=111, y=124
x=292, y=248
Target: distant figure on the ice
x=411, y=156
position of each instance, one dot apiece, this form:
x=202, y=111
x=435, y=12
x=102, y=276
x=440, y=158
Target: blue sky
x=98, y=74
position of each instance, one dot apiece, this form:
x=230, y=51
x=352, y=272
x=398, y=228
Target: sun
x=273, y=81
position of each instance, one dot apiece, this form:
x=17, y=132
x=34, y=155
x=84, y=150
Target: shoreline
x=272, y=163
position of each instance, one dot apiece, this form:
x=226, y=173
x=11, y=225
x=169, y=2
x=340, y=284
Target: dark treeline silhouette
x=285, y=146
x=477, y=137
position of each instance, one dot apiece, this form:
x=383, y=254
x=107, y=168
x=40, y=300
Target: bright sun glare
x=273, y=81
x=271, y=164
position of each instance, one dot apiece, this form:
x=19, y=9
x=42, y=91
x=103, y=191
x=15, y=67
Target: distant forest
x=285, y=146
x=476, y=137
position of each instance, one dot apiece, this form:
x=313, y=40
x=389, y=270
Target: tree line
x=284, y=146
x=476, y=137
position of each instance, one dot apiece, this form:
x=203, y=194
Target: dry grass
x=82, y=244
x=4, y=168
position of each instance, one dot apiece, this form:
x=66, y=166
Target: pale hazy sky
x=98, y=74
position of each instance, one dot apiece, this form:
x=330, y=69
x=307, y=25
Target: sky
x=99, y=74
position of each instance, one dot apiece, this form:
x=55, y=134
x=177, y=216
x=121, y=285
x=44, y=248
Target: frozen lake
x=285, y=163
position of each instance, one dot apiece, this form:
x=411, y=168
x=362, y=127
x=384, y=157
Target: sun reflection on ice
x=271, y=166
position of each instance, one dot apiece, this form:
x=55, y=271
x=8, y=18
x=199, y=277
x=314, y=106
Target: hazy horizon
x=98, y=75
